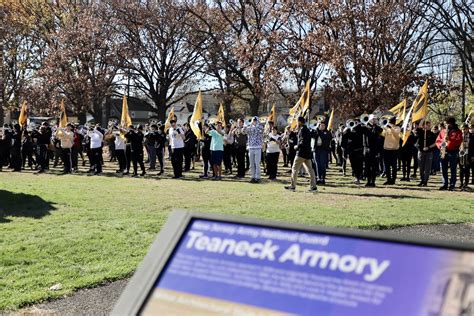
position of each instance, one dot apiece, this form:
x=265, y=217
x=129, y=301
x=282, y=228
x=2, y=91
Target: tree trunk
x=160, y=108
x=254, y=106
x=2, y=114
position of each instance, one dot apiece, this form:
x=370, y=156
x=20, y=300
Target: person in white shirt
x=66, y=137
x=96, y=138
x=176, y=139
x=273, y=153
x=119, y=141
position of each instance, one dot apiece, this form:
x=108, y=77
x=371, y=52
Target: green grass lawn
x=80, y=231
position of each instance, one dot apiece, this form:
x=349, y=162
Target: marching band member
x=371, y=139
x=406, y=155
x=42, y=137
x=303, y=157
x=160, y=146
x=273, y=153
x=391, y=146
x=240, y=141
x=136, y=137
x=449, y=140
x=190, y=144
x=205, y=151
x=15, y=149
x=426, y=145
x=176, y=139
x=355, y=148
x=96, y=138
x=321, y=151
x=254, y=145
x=150, y=140
x=66, y=138
x=120, y=146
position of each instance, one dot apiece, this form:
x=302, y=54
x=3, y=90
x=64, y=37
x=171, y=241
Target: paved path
x=100, y=300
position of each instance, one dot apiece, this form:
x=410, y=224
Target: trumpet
x=350, y=124
x=320, y=118
x=364, y=119
x=384, y=122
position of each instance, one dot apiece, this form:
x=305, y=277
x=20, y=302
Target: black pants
x=272, y=164
x=42, y=156
x=206, y=157
x=96, y=159
x=240, y=153
x=75, y=151
x=122, y=160
x=357, y=163
x=66, y=158
x=28, y=154
x=15, y=158
x=371, y=167
x=406, y=164
x=188, y=155
x=228, y=149
x=177, y=161
x=390, y=160
x=464, y=174
x=159, y=155
x=137, y=159
x=128, y=156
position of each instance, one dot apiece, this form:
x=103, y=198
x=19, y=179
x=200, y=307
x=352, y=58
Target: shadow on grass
x=22, y=205
x=380, y=195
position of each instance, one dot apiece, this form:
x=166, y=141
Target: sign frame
x=138, y=289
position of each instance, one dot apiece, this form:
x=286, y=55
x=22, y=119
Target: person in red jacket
x=449, y=140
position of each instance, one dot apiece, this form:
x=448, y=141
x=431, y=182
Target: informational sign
x=233, y=268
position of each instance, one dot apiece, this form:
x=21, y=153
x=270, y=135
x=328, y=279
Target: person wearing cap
x=254, y=145
x=176, y=140
x=66, y=138
x=449, y=140
x=135, y=137
x=303, y=157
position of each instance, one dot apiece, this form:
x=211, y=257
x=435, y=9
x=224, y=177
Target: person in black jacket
x=303, y=157
x=426, y=145
x=5, y=142
x=355, y=149
x=135, y=138
x=160, y=146
x=321, y=150
x=406, y=155
x=190, y=141
x=150, y=141
x=15, y=150
x=371, y=142
x=43, y=139
x=205, y=151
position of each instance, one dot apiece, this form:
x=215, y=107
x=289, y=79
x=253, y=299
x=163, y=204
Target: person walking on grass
x=303, y=157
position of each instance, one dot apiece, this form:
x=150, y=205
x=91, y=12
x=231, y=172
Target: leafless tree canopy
x=366, y=55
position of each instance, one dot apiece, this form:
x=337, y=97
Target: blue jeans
x=152, y=156
x=451, y=159
x=321, y=159
x=255, y=156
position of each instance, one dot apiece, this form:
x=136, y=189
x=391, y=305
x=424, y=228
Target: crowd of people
x=233, y=149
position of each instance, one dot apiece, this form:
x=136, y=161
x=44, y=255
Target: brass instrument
x=351, y=124
x=364, y=119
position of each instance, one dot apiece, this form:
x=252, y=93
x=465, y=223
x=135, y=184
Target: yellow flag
x=22, y=119
x=420, y=105
x=125, y=120
x=272, y=116
x=399, y=111
x=197, y=117
x=306, y=98
x=168, y=120
x=296, y=109
x=220, y=114
x=63, y=116
x=406, y=127
x=331, y=121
